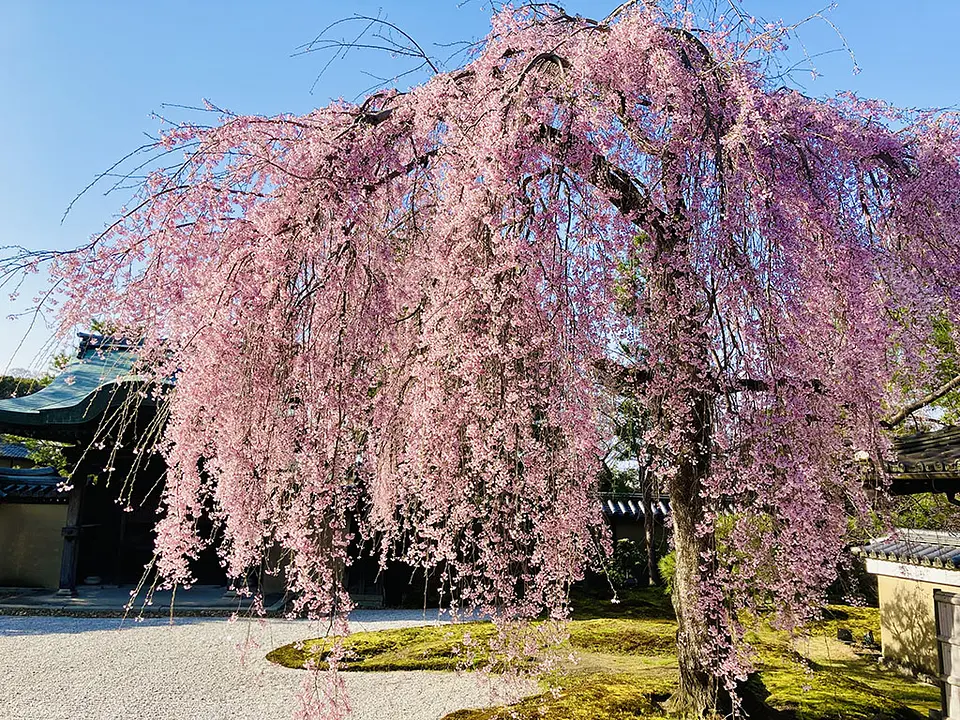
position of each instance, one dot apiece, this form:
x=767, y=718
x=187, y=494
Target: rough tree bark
x=685, y=345
x=698, y=691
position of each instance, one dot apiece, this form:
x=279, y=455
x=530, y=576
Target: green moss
x=814, y=692
x=599, y=696
x=817, y=677
x=651, y=603
x=859, y=620
x=623, y=637
x=795, y=692
x=418, y=648
x=443, y=647
x=626, y=666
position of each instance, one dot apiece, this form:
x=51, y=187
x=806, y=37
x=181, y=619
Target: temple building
x=95, y=529
x=98, y=528
x=911, y=565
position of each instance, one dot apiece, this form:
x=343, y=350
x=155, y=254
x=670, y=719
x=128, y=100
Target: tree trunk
x=648, y=527
x=700, y=691
x=698, y=686
x=684, y=347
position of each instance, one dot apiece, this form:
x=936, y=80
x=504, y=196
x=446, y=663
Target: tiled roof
x=14, y=450
x=928, y=452
x=916, y=547
x=31, y=485
x=78, y=396
x=631, y=506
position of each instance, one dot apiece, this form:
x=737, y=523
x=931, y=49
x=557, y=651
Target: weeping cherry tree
x=409, y=312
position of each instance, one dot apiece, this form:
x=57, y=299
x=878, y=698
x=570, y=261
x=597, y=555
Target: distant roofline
x=913, y=554
x=31, y=485
x=14, y=451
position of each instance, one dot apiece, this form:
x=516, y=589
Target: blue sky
x=81, y=82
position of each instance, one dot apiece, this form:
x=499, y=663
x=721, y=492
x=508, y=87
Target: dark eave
x=32, y=485
x=926, y=462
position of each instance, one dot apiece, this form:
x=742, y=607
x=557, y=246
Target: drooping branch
x=408, y=317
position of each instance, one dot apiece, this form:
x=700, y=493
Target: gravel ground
x=57, y=668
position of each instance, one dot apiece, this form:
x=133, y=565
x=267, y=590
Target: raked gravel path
x=60, y=668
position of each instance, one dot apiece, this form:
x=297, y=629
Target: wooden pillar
x=71, y=537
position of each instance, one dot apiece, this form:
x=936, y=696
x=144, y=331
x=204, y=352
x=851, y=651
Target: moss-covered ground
x=624, y=666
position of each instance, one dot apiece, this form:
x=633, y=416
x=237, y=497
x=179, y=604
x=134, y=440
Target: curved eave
x=73, y=404
x=66, y=423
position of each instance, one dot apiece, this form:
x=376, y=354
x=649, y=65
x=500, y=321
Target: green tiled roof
x=77, y=398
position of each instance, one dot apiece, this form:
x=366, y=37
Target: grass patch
x=626, y=666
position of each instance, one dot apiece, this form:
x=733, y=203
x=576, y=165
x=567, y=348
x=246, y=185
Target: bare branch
x=908, y=410
x=340, y=47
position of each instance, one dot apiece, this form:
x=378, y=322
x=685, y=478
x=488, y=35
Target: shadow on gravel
x=14, y=626
x=58, y=624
